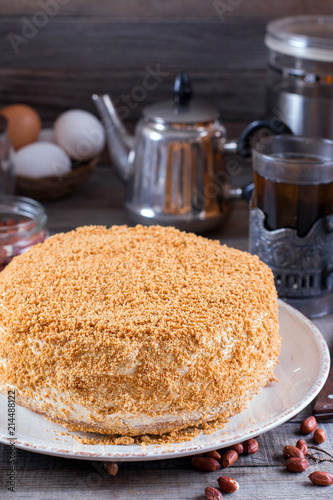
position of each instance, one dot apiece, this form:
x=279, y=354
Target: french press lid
x=182, y=108
x=307, y=37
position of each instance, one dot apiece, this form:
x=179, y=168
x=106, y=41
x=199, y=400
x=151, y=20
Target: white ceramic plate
x=303, y=369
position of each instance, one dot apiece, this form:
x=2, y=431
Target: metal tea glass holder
x=291, y=218
x=302, y=266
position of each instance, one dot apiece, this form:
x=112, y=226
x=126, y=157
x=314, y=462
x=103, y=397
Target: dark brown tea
x=294, y=206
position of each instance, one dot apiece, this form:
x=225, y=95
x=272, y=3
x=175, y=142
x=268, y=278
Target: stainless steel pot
x=300, y=90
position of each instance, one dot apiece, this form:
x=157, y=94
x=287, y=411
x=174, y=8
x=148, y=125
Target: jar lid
x=170, y=112
x=308, y=37
x=3, y=124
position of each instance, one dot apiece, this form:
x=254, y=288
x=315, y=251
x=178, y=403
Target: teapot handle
x=274, y=125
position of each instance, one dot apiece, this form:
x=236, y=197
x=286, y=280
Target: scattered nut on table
x=301, y=445
x=206, y=464
x=308, y=425
x=319, y=436
x=321, y=478
x=213, y=454
x=213, y=494
x=250, y=446
x=111, y=468
x=292, y=451
x=296, y=464
x=238, y=447
x=227, y=484
x=229, y=458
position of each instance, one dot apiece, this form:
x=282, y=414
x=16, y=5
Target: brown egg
x=24, y=124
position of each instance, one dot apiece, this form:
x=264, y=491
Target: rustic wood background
x=55, y=53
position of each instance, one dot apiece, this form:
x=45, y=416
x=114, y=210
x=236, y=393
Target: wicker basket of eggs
x=52, y=163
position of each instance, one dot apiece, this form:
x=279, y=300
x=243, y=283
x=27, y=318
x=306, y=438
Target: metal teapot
x=174, y=166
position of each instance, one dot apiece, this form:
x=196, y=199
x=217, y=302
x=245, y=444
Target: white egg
x=46, y=135
x=41, y=159
x=80, y=134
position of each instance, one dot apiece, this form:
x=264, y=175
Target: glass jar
x=22, y=224
x=300, y=89
x=6, y=163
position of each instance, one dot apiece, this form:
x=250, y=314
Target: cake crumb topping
x=149, y=322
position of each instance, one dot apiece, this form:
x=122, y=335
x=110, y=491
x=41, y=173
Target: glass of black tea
x=293, y=181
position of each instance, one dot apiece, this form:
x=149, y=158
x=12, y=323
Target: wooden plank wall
x=55, y=53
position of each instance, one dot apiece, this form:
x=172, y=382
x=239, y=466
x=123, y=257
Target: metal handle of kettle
x=243, y=147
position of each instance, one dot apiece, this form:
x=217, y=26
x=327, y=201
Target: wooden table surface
x=261, y=476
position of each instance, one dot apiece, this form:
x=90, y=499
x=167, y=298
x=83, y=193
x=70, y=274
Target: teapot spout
x=120, y=142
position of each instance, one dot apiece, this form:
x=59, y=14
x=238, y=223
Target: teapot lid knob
x=182, y=89
x=182, y=109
